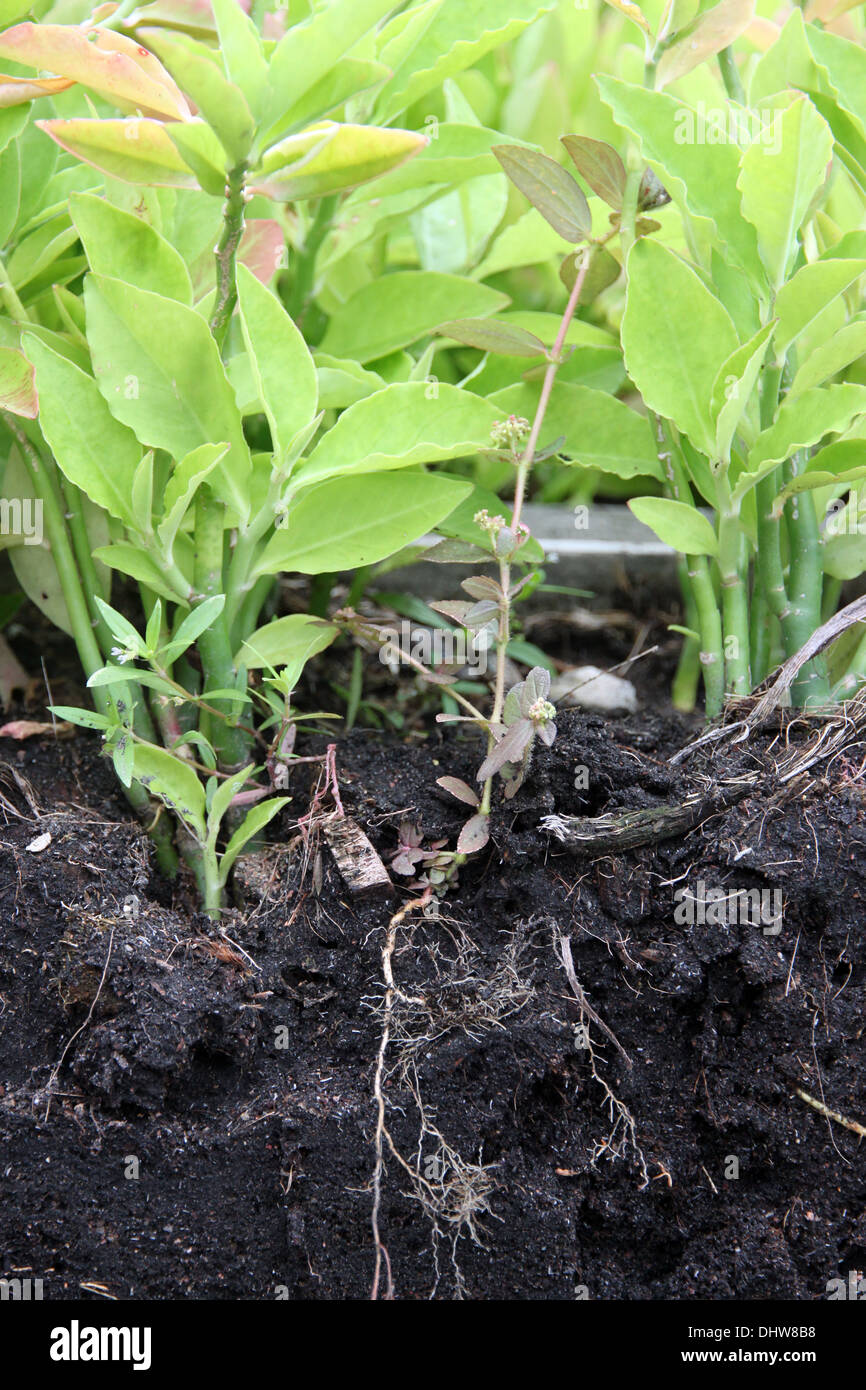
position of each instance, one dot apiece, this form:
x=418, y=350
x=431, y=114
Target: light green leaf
x=392, y=312
x=139, y=151
x=348, y=522
x=843, y=348
x=779, y=179
x=800, y=423
x=676, y=336
x=254, y=821
x=683, y=528
x=222, y=799
x=138, y=564
x=126, y=247
x=242, y=51
x=287, y=642
x=733, y=388
x=94, y=450
x=807, y=294
x=342, y=382
x=283, y=370
x=528, y=241
x=599, y=431
x=182, y=486
x=458, y=34
x=701, y=178
x=194, y=624
x=174, y=782
x=403, y=424
x=159, y=369
x=308, y=52
x=220, y=102
x=331, y=158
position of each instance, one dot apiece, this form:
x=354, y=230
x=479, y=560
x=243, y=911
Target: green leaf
x=528, y=241
x=182, y=486
x=348, y=522
x=549, y=188
x=843, y=348
x=138, y=151
x=287, y=642
x=800, y=423
x=200, y=148
x=331, y=158
x=779, y=179
x=348, y=78
x=194, y=624
x=254, y=821
x=159, y=369
x=242, y=51
x=308, y=52
x=676, y=336
x=121, y=628
x=283, y=370
x=807, y=294
x=138, y=564
x=599, y=431
x=174, y=782
x=458, y=34
x=398, y=309
x=17, y=387
x=93, y=449
x=110, y=64
x=404, y=424
x=683, y=528
x=124, y=246
x=342, y=382
x=711, y=31
x=491, y=335
x=10, y=191
x=84, y=718
x=733, y=388
x=219, y=101
x=222, y=799
x=600, y=165
x=700, y=178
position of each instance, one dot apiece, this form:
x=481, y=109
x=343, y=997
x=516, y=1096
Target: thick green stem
x=804, y=593
x=760, y=620
x=770, y=573
x=733, y=571
x=684, y=691
x=226, y=253
x=710, y=624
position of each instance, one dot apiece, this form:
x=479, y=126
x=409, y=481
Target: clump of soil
x=191, y=1111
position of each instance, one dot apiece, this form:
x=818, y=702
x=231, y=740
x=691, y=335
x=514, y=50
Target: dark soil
x=189, y=1113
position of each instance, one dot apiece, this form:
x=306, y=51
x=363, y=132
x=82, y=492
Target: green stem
x=107, y=700
x=733, y=571
x=305, y=264
x=804, y=592
x=226, y=253
x=231, y=744
x=684, y=690
x=710, y=624
x=731, y=76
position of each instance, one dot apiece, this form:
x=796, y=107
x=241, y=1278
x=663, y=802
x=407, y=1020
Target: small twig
x=831, y=1114
x=53, y=1077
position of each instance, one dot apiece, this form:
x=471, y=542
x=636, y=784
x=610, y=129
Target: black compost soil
x=189, y=1112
